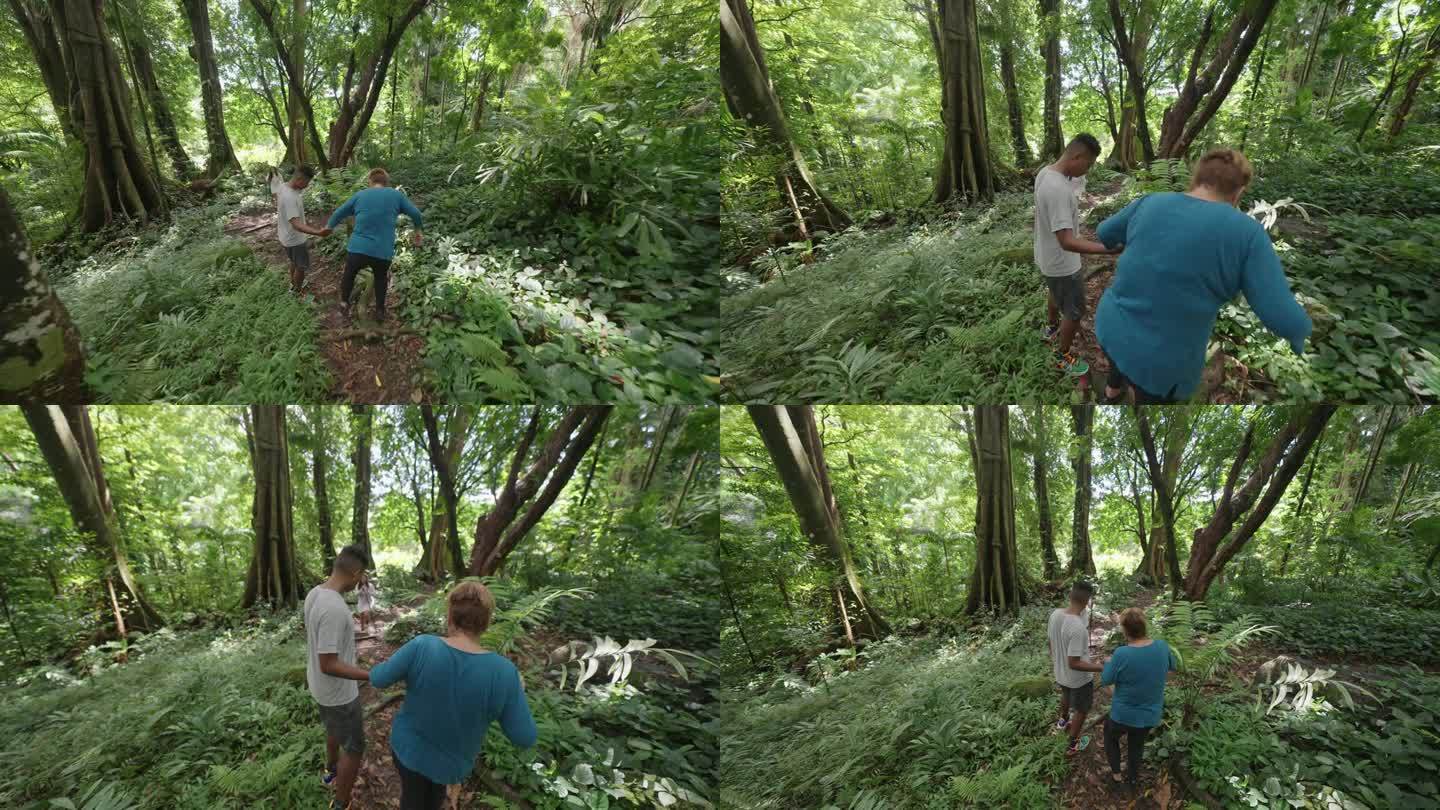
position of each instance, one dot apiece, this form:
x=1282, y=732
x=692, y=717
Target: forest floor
x=366, y=365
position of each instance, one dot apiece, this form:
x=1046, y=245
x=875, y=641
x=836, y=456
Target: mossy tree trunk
x=793, y=441
x=445, y=459
x=1131, y=46
x=221, y=157
x=362, y=419
x=965, y=171
x=66, y=439
x=137, y=42
x=1013, y=107
x=273, y=573
x=1054, y=141
x=1082, y=561
x=41, y=356
x=322, y=498
x=117, y=182
x=37, y=25
x=995, y=581
x=1042, y=498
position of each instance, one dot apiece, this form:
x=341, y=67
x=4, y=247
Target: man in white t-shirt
x=1058, y=248
x=1069, y=641
x=331, y=671
x=290, y=224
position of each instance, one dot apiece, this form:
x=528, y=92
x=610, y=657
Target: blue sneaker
x=328, y=778
x=1049, y=332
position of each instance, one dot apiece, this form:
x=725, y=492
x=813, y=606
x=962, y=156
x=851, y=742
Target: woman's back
x=1139, y=675
x=451, y=698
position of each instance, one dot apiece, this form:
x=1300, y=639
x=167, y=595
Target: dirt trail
x=363, y=369
x=1087, y=785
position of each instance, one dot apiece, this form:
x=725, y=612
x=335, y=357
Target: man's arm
x=1076, y=662
x=299, y=224
x=331, y=665
x=1069, y=241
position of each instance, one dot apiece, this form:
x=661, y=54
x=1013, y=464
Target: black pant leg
x=1112, y=744
x=353, y=263
x=381, y=269
x=1137, y=752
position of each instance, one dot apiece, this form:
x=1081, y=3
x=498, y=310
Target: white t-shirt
x=1069, y=635
x=329, y=629
x=1056, y=208
x=288, y=204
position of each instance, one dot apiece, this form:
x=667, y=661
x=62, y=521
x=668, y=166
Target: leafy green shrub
x=1384, y=632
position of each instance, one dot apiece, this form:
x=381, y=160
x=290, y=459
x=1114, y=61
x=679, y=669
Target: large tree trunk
x=1082, y=561
x=1181, y=124
x=272, y=576
x=1412, y=85
x=67, y=441
x=322, y=499
x=1131, y=50
x=498, y=531
x=38, y=27
x=477, y=112
x=137, y=42
x=1042, y=499
x=1013, y=106
x=118, y=184
x=295, y=112
x=1304, y=498
x=41, y=356
x=1274, y=470
x=995, y=582
x=221, y=156
x=363, y=417
x=1054, y=142
x=1163, y=475
x=445, y=459
x=964, y=170
x=751, y=98
x=791, y=437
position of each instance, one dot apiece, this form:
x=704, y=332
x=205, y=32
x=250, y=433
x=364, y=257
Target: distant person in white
x=1069, y=642
x=290, y=223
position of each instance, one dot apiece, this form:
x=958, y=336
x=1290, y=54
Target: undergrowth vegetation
x=951, y=308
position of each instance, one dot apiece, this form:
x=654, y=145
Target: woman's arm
x=347, y=209
x=396, y=668
x=1267, y=290
x=1112, y=231
x=1107, y=676
x=515, y=719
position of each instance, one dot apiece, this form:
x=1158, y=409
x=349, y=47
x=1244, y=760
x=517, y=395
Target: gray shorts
x=1068, y=293
x=299, y=255
x=346, y=723
x=1081, y=697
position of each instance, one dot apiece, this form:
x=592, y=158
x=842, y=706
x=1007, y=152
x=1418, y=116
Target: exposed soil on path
x=364, y=368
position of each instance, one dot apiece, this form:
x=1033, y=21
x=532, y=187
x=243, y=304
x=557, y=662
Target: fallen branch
x=1192, y=787
x=346, y=334
x=503, y=790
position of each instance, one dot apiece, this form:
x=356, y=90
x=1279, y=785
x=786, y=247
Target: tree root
x=1191, y=786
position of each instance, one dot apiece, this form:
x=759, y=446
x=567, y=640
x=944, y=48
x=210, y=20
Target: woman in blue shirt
x=372, y=243
x=1186, y=256
x=1138, y=671
x=454, y=688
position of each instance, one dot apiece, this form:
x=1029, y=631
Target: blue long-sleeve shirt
x=1138, y=674
x=375, y=209
x=1184, y=259
x=451, y=697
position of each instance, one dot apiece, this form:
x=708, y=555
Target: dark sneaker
x=1062, y=724
x=328, y=778
x=1049, y=332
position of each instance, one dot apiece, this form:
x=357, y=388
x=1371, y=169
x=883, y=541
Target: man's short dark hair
x=1081, y=590
x=352, y=559
x=305, y=170
x=1084, y=141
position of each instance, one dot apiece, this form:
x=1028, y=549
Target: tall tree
x=751, y=98
x=1082, y=561
x=445, y=459
x=1042, y=498
x=1163, y=475
x=965, y=170
x=137, y=44
x=1013, y=107
x=221, y=155
x=273, y=573
x=363, y=419
x=66, y=439
x=1429, y=55
x=793, y=441
x=995, y=582
x=1054, y=141
x=117, y=182
x=295, y=112
x=498, y=531
x=37, y=25
x=1182, y=123
x=322, y=498
x=41, y=357
x=1219, y=540
x=1131, y=45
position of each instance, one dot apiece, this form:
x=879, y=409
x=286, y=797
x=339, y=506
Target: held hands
x=324, y=232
